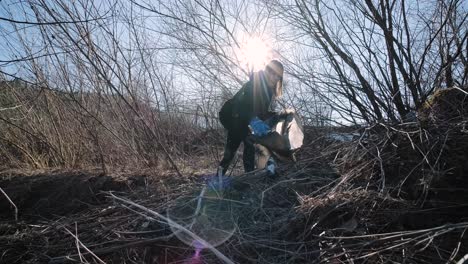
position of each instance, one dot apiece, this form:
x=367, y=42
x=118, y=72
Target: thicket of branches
x=140, y=77
x=377, y=60
x=119, y=84
x=45, y=128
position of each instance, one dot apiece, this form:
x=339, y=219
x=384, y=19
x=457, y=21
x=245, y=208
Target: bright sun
x=254, y=53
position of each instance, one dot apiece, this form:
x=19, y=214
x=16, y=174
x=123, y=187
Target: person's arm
x=272, y=111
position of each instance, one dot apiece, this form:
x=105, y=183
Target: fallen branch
x=83, y=245
x=102, y=251
x=177, y=226
x=11, y=202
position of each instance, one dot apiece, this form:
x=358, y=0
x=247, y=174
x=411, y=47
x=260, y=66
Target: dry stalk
x=84, y=246
x=11, y=202
x=177, y=226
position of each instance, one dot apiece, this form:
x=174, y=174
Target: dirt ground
x=309, y=213
x=64, y=199
x=56, y=193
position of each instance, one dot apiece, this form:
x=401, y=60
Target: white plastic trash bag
x=291, y=130
x=287, y=136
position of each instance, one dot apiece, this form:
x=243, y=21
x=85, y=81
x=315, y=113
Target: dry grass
x=396, y=195
x=309, y=214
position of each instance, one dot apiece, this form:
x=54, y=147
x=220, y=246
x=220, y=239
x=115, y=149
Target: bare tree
x=143, y=77
x=379, y=55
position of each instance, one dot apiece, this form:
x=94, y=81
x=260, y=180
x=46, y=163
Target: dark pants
x=234, y=138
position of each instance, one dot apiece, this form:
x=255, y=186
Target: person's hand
x=288, y=111
x=251, y=139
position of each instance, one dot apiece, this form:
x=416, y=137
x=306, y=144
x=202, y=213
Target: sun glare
x=254, y=53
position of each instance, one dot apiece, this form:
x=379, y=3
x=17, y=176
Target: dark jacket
x=252, y=100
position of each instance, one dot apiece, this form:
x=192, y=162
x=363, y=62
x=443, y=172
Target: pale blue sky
x=165, y=49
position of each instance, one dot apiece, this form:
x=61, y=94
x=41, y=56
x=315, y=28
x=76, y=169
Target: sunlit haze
x=254, y=53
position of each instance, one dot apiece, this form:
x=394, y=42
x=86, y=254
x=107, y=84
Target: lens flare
x=196, y=258
x=206, y=215
x=255, y=53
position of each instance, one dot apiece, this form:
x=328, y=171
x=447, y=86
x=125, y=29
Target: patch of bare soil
x=57, y=207
x=60, y=193
x=393, y=196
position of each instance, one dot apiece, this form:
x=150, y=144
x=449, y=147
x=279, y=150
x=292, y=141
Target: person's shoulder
x=246, y=86
x=248, y=83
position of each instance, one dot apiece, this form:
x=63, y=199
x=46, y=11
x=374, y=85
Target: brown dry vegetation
x=43, y=128
x=396, y=195
x=108, y=118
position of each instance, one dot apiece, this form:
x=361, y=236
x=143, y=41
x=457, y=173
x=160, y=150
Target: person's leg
x=232, y=144
x=249, y=156
x=263, y=154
